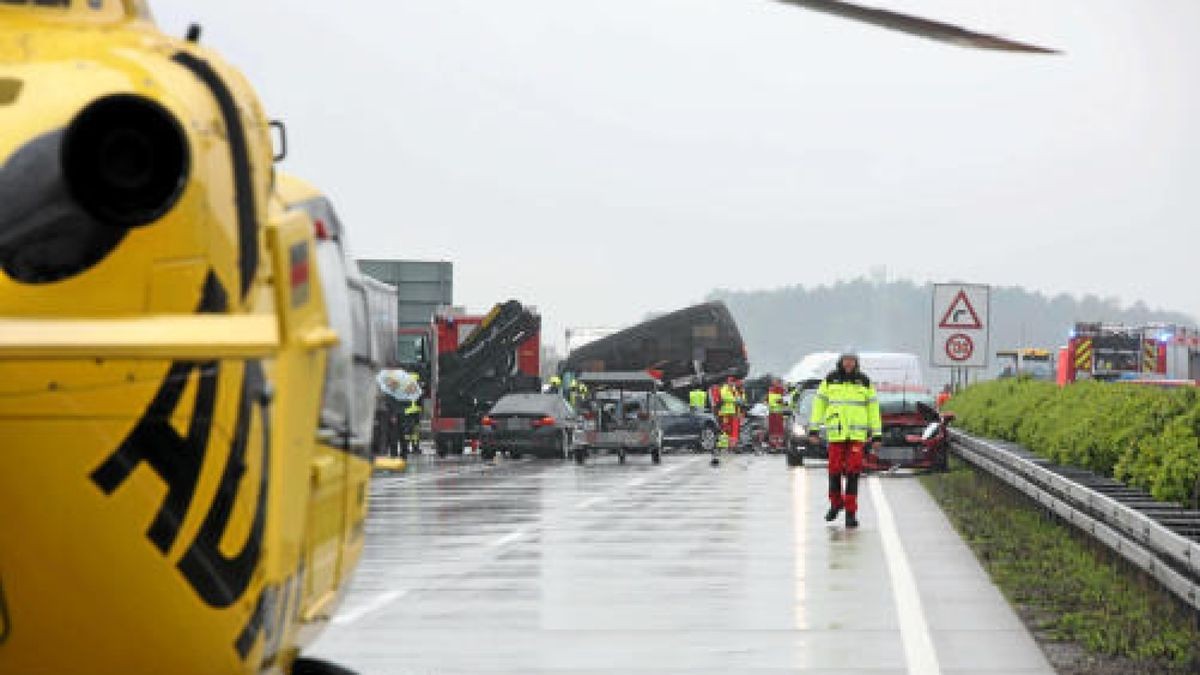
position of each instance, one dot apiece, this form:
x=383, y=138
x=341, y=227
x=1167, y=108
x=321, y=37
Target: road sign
x=961, y=330
x=960, y=347
x=961, y=314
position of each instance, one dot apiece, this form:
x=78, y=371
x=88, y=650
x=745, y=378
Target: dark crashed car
x=540, y=424
x=915, y=434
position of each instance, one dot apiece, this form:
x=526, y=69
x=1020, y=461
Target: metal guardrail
x=1158, y=538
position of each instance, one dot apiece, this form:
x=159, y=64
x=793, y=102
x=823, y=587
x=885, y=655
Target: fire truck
x=1155, y=353
x=467, y=362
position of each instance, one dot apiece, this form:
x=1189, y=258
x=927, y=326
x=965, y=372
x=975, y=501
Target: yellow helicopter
x=171, y=498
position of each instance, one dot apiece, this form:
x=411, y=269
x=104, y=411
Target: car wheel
x=580, y=455
x=708, y=439
x=794, y=458
x=514, y=454
x=487, y=455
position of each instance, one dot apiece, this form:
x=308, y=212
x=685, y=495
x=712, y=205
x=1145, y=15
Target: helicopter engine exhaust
x=125, y=160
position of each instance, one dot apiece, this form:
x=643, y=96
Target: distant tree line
x=780, y=326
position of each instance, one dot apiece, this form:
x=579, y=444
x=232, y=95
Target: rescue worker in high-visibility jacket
x=698, y=398
x=410, y=429
x=727, y=413
x=578, y=393
x=848, y=408
x=776, y=407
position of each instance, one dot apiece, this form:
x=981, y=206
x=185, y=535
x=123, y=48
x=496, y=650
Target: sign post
x=961, y=328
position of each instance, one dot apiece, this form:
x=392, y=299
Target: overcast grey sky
x=543, y=145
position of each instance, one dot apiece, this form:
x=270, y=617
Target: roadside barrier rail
x=1159, y=538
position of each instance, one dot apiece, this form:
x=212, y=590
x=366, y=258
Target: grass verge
x=1091, y=611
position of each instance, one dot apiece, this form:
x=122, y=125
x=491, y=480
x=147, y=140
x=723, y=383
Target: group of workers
x=575, y=392
x=846, y=407
x=728, y=402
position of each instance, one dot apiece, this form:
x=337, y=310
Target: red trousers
x=845, y=457
x=776, y=434
x=731, y=425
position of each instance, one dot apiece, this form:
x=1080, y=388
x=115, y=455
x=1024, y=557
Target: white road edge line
x=914, y=631
x=800, y=538
x=374, y=605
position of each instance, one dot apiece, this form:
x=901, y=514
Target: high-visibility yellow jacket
x=698, y=398
x=579, y=392
x=775, y=402
x=728, y=400
x=846, y=404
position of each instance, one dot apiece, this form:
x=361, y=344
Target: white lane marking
x=384, y=599
x=635, y=483
x=589, y=503
x=914, y=631
x=800, y=537
x=655, y=475
x=374, y=605
x=507, y=539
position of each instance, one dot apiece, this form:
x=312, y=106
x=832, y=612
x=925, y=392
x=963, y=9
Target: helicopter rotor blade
x=915, y=25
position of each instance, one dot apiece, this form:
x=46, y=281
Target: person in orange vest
x=943, y=397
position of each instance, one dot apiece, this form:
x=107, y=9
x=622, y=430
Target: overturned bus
x=697, y=346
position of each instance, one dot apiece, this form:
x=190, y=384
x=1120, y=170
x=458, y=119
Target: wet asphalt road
x=543, y=566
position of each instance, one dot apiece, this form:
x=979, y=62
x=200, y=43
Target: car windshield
x=529, y=404
x=897, y=402
x=805, y=404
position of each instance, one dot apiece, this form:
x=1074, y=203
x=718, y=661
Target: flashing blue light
x=1165, y=337
x=1071, y=334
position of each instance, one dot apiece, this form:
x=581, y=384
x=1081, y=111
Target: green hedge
x=1143, y=436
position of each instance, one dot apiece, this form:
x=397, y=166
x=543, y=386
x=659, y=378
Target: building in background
x=422, y=287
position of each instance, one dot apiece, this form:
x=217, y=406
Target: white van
x=896, y=369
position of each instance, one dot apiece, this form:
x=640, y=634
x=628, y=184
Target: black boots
x=832, y=514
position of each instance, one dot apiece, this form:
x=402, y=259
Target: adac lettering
x=219, y=580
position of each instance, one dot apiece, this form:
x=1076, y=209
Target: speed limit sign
x=960, y=347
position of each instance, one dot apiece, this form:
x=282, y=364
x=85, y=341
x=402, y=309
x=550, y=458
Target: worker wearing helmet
x=555, y=385
x=846, y=405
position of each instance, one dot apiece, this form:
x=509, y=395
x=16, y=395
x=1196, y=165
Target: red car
x=914, y=432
